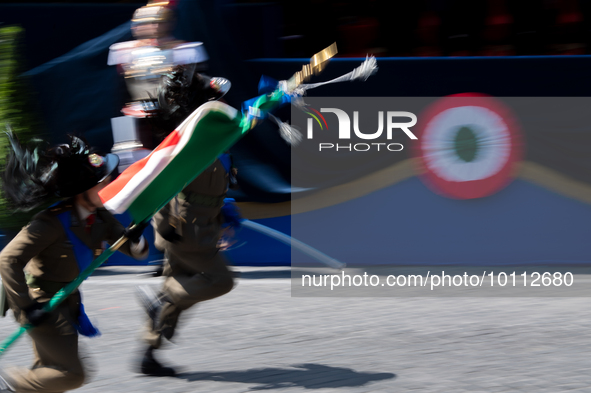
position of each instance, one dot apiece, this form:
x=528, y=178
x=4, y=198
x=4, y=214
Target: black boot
x=152, y=367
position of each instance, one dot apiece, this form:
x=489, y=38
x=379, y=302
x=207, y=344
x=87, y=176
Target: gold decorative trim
x=317, y=64
x=526, y=170
x=333, y=195
x=555, y=181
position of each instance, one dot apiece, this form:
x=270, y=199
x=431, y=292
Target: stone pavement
x=260, y=338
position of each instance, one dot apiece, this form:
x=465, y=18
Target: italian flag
x=147, y=185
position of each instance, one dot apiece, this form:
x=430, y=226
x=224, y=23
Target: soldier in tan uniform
x=189, y=228
x=51, y=251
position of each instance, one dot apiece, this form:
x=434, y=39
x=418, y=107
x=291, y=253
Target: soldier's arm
x=138, y=250
x=29, y=242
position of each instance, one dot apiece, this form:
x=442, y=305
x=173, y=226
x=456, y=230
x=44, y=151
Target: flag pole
x=66, y=291
x=245, y=125
x=261, y=106
x=247, y=122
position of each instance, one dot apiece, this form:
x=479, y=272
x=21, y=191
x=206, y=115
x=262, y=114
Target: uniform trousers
x=57, y=366
x=190, y=278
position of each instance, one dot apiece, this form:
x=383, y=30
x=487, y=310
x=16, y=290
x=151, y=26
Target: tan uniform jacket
x=43, y=250
x=198, y=224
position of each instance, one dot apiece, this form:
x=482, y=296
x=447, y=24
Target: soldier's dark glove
x=133, y=233
x=170, y=234
x=35, y=314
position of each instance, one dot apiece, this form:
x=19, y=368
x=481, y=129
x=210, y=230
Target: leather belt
x=202, y=200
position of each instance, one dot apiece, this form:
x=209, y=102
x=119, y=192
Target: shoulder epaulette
x=60, y=208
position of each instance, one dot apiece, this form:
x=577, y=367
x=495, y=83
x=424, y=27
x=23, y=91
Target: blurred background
x=424, y=28
x=56, y=80
x=529, y=59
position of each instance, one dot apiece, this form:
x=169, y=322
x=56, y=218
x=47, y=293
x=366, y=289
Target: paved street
x=260, y=338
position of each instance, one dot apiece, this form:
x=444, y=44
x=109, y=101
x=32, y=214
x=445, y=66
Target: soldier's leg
x=213, y=279
x=181, y=290
x=188, y=284
x=162, y=325
x=185, y=285
x=154, y=303
x=57, y=366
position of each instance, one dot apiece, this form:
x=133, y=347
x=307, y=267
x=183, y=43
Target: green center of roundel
x=466, y=144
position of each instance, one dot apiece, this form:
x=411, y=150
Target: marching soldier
x=189, y=228
x=52, y=250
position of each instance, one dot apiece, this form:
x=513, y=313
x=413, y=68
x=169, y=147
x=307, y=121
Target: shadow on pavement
x=139, y=270
x=261, y=274
x=309, y=376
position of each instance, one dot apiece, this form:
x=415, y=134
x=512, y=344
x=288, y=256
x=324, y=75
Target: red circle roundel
x=468, y=146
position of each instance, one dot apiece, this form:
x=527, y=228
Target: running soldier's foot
x=152, y=367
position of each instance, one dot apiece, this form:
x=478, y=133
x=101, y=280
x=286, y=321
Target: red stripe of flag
x=117, y=185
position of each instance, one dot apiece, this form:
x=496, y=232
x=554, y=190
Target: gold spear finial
x=317, y=64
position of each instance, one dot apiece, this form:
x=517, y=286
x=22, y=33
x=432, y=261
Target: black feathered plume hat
x=183, y=90
x=33, y=175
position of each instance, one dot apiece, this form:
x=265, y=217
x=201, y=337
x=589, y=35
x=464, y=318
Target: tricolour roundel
x=468, y=146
